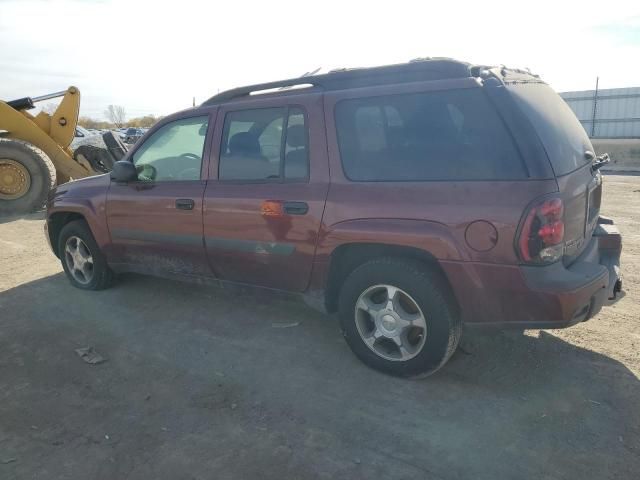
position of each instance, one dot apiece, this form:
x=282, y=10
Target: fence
x=607, y=113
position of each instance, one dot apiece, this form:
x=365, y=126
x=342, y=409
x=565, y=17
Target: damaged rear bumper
x=551, y=296
x=579, y=290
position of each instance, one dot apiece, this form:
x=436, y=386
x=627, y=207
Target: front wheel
x=82, y=260
x=399, y=317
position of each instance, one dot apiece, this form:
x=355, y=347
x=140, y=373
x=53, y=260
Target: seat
x=244, y=161
x=245, y=144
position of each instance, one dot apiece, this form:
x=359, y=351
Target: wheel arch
x=56, y=222
x=347, y=257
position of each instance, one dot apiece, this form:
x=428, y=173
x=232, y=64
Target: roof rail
x=416, y=70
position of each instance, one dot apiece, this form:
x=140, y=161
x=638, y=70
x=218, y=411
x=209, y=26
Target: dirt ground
x=201, y=383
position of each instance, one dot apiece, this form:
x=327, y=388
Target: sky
x=154, y=57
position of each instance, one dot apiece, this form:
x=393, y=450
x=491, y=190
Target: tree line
x=145, y=121
x=117, y=118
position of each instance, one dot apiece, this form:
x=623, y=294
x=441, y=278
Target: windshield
x=562, y=135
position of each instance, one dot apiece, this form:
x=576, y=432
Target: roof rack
x=415, y=70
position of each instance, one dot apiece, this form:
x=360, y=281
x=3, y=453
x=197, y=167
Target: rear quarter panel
x=468, y=226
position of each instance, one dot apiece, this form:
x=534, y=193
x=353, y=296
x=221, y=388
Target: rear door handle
x=295, y=208
x=185, y=204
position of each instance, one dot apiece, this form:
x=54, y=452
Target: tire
x=100, y=152
x=424, y=292
x=101, y=276
x=41, y=176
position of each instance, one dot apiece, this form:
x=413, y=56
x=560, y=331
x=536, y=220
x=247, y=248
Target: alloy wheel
x=390, y=322
x=79, y=260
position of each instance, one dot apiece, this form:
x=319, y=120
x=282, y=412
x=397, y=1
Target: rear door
x=264, y=202
x=156, y=221
x=570, y=152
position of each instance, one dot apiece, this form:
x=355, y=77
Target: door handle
x=295, y=208
x=185, y=204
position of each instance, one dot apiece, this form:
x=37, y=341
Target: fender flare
x=85, y=208
x=434, y=238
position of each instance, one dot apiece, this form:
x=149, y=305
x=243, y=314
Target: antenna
x=311, y=73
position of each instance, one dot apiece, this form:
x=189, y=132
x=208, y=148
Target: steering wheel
x=190, y=173
x=192, y=156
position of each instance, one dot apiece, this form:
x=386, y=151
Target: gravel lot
x=203, y=383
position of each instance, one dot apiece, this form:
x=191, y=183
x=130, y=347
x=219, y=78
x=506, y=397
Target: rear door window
x=446, y=135
x=267, y=144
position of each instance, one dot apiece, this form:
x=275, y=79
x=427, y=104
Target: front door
x=265, y=198
x=156, y=221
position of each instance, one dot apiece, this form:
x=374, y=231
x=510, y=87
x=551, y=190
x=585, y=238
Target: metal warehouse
x=607, y=113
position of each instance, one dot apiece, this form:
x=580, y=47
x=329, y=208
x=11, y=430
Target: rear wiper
x=601, y=160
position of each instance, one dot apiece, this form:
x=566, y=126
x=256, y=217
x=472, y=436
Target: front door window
x=174, y=152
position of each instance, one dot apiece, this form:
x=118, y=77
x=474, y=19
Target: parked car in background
x=121, y=132
x=132, y=135
x=410, y=199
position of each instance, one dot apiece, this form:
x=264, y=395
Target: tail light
x=541, y=238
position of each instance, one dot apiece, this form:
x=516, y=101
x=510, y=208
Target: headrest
x=244, y=143
x=296, y=136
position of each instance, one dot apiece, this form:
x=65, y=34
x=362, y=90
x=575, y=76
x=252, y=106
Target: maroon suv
x=411, y=199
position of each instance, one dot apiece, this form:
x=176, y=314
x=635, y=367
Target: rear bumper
x=553, y=296
x=579, y=291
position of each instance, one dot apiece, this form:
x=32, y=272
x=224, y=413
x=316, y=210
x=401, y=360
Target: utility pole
x=595, y=109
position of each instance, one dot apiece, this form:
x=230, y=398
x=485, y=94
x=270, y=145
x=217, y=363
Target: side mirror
x=124, y=171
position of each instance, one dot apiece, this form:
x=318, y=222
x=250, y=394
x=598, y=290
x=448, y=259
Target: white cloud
x=154, y=57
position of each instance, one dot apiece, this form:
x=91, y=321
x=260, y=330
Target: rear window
x=446, y=135
x=560, y=131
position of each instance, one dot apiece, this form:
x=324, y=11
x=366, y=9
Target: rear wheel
x=399, y=317
x=26, y=177
x=82, y=260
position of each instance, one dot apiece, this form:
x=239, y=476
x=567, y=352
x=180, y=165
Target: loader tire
x=27, y=175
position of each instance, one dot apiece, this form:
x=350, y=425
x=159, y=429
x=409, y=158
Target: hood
x=82, y=187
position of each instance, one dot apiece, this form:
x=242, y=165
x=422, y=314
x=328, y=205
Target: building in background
x=611, y=117
x=609, y=113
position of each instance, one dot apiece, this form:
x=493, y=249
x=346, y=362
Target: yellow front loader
x=34, y=151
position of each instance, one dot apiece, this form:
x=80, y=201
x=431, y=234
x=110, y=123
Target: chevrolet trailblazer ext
x=411, y=199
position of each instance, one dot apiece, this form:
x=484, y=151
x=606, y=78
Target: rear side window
x=447, y=135
x=561, y=133
x=264, y=144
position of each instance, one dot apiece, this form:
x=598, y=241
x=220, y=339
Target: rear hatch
x=570, y=153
